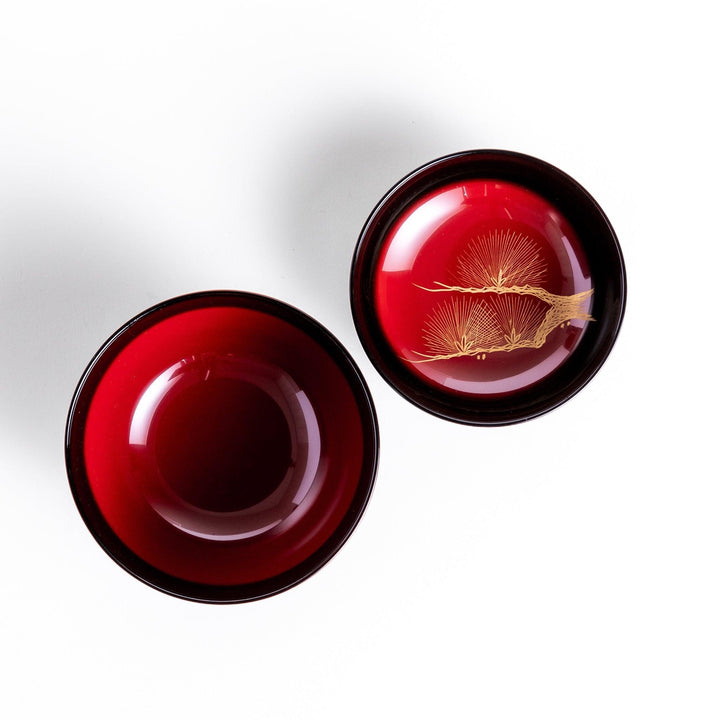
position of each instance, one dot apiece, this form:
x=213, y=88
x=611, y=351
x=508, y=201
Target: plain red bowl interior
x=222, y=446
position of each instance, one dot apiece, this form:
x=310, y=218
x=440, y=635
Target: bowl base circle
x=225, y=448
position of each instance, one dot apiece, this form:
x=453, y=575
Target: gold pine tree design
x=505, y=268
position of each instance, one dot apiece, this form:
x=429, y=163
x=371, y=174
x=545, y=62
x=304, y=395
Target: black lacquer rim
x=599, y=243
x=93, y=517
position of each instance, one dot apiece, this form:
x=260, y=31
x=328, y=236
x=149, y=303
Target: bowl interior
x=222, y=446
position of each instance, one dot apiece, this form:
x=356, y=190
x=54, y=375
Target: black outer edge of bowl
x=504, y=165
x=199, y=592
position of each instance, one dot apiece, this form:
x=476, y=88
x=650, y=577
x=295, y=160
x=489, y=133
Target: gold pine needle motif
x=501, y=258
x=519, y=317
x=458, y=326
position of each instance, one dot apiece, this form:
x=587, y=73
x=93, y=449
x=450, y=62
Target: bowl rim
x=100, y=528
x=556, y=187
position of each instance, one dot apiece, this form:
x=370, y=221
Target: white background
x=562, y=568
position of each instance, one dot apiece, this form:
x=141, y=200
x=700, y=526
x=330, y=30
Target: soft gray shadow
x=335, y=178
x=67, y=281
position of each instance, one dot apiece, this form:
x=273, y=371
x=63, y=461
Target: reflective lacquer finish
x=222, y=446
x=478, y=265
x=487, y=287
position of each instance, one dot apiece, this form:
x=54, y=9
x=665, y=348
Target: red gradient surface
x=223, y=445
x=422, y=250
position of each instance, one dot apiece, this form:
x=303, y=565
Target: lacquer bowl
x=221, y=446
x=488, y=287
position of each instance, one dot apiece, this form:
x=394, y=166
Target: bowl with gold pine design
x=488, y=287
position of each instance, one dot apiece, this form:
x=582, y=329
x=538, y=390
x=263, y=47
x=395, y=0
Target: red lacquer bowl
x=488, y=287
x=221, y=446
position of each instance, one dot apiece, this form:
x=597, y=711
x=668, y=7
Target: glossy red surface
x=223, y=445
x=427, y=305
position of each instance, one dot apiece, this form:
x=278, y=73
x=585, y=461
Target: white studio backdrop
x=566, y=567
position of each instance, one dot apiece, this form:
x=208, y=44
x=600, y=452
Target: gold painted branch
x=473, y=328
x=537, y=292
